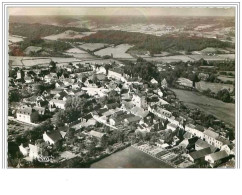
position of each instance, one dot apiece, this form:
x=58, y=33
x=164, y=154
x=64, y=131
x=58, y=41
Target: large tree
x=35, y=117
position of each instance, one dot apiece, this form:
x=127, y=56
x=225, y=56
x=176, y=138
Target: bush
x=224, y=95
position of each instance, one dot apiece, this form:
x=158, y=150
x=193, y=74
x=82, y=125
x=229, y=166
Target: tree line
x=152, y=43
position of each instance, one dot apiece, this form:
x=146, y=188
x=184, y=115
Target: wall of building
x=23, y=118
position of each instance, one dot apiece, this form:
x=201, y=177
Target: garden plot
x=118, y=52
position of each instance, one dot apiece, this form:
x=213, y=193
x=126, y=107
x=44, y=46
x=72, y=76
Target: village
x=74, y=114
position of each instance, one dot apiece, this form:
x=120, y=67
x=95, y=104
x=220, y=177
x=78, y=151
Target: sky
x=109, y=11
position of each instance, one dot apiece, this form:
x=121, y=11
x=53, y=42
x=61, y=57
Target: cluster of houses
x=136, y=106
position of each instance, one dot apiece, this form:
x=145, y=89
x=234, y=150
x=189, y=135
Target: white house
x=216, y=158
x=214, y=139
x=199, y=155
x=154, y=82
x=194, y=131
x=48, y=78
x=24, y=114
x=160, y=112
x=116, y=74
x=112, y=121
x=33, y=151
x=19, y=76
x=24, y=150
x=220, y=141
x=164, y=83
x=160, y=93
x=52, y=137
x=226, y=148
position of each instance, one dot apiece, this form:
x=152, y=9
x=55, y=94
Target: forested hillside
x=36, y=30
x=154, y=44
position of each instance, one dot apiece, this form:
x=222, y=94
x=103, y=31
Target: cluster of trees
x=182, y=69
x=37, y=30
x=14, y=96
x=41, y=87
x=223, y=95
x=208, y=120
x=142, y=69
x=228, y=65
x=152, y=43
x=53, y=47
x=34, y=134
x=74, y=108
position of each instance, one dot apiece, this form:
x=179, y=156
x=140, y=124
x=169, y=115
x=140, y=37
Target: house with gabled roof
x=153, y=81
x=164, y=83
x=214, y=138
x=52, y=137
x=199, y=155
x=24, y=114
x=195, y=130
x=200, y=144
x=216, y=158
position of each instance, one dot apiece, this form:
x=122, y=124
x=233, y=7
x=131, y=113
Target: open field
x=118, y=52
x=15, y=38
x=186, y=58
x=223, y=111
x=212, y=58
x=92, y=46
x=69, y=34
x=130, y=158
x=75, y=50
x=81, y=55
x=169, y=59
x=32, y=61
x=16, y=61
x=40, y=61
x=226, y=78
x=214, y=87
x=101, y=61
